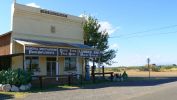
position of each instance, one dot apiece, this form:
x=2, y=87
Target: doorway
x=51, y=66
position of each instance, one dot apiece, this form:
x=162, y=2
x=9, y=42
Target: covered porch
x=49, y=59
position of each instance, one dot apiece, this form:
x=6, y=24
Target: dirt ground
x=135, y=73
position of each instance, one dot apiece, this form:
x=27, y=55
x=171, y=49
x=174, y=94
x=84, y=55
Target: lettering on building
x=52, y=29
x=40, y=51
x=29, y=50
x=85, y=53
x=67, y=52
x=53, y=13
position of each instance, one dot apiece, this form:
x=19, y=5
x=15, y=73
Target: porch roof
x=49, y=43
x=11, y=55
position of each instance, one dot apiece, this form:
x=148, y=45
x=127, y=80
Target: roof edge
x=5, y=33
x=33, y=10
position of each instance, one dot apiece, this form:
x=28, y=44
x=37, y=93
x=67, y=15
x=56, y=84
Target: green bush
x=168, y=67
x=15, y=77
x=116, y=70
x=143, y=68
x=113, y=69
x=156, y=69
x=124, y=75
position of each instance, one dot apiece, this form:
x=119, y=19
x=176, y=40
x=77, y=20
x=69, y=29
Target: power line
x=154, y=29
x=152, y=34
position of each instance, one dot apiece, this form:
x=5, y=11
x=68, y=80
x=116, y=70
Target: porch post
x=99, y=66
x=57, y=66
x=24, y=60
x=78, y=67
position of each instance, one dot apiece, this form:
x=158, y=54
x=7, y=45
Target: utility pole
x=148, y=61
x=14, y=1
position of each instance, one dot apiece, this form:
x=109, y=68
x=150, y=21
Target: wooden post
x=81, y=79
x=82, y=65
x=93, y=74
x=148, y=61
x=24, y=61
x=99, y=65
x=57, y=68
x=112, y=76
x=78, y=67
x=82, y=70
x=40, y=80
x=69, y=80
x=103, y=71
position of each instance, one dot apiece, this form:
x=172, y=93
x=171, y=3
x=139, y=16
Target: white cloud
x=114, y=46
x=82, y=15
x=105, y=25
x=33, y=5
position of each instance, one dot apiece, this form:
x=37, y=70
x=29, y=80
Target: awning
x=49, y=43
x=37, y=47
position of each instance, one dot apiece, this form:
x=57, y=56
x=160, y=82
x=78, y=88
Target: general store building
x=45, y=42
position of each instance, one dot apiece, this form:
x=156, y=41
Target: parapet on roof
x=47, y=12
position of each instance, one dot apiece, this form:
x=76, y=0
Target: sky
x=138, y=29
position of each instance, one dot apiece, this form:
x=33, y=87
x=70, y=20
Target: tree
x=98, y=40
x=174, y=64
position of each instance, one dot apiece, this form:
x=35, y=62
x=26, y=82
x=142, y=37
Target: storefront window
x=32, y=64
x=70, y=63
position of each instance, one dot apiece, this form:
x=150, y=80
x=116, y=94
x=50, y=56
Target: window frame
x=31, y=60
x=69, y=69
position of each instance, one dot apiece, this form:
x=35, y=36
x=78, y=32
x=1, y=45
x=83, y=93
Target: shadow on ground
x=135, y=81
x=131, y=82
x=6, y=96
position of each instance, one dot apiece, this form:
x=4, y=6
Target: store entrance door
x=51, y=66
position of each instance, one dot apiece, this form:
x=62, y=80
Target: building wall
x=82, y=67
x=5, y=44
x=30, y=23
x=61, y=65
x=17, y=48
x=43, y=65
x=17, y=62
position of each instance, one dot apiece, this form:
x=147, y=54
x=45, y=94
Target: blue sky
x=122, y=18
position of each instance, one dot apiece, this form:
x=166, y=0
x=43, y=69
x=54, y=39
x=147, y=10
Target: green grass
x=141, y=68
x=15, y=94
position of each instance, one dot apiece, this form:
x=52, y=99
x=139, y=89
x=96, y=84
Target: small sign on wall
x=85, y=53
x=67, y=52
x=29, y=50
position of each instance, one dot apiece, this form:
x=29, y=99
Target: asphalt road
x=169, y=93
x=160, y=90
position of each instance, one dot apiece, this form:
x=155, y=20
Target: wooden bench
x=103, y=74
